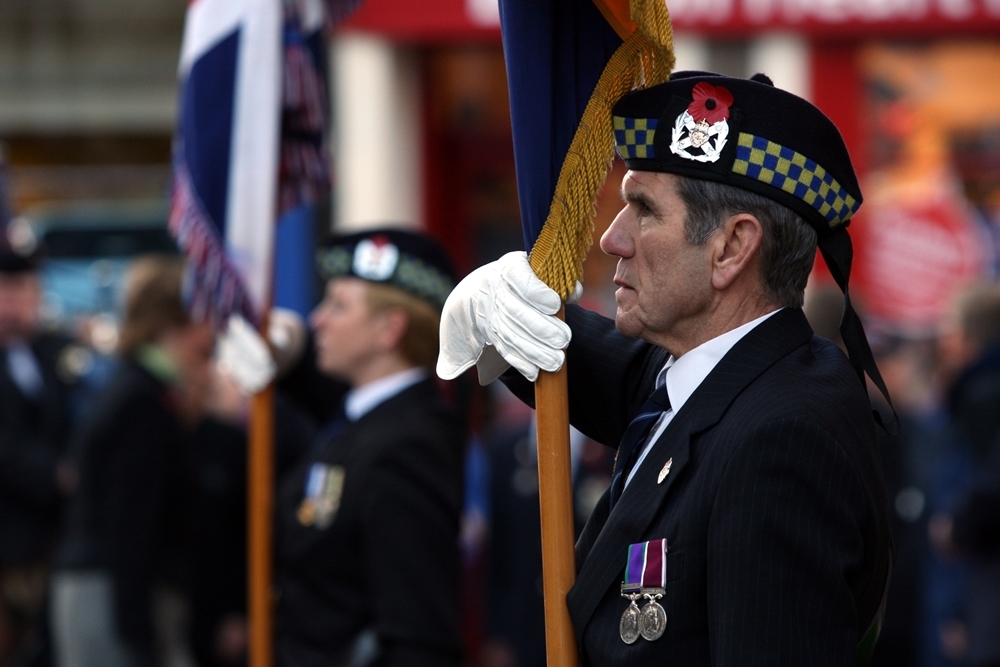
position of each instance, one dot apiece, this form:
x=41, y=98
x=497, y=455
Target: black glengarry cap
x=746, y=133
x=411, y=262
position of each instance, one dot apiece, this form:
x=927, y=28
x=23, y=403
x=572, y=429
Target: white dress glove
x=244, y=355
x=502, y=315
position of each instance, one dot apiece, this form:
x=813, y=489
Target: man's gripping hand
x=502, y=315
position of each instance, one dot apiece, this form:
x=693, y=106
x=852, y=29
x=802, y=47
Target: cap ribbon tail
x=644, y=59
x=838, y=253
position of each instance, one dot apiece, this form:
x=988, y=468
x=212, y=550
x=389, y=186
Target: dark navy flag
x=555, y=51
x=304, y=178
x=568, y=62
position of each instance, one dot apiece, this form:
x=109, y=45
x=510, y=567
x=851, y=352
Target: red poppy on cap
x=710, y=103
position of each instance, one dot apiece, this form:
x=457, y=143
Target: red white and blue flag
x=250, y=151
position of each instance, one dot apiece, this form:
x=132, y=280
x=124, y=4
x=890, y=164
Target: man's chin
x=625, y=324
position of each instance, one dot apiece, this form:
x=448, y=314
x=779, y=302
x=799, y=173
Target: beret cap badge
x=702, y=126
x=375, y=258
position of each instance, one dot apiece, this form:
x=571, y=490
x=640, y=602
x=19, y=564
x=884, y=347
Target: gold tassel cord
x=646, y=58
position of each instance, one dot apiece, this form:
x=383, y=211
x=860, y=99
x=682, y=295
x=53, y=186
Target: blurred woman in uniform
x=368, y=523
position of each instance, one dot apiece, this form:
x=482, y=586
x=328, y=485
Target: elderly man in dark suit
x=746, y=522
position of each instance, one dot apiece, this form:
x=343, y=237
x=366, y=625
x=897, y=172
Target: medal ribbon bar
x=646, y=567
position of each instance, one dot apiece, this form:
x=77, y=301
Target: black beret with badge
x=411, y=262
x=749, y=134
x=744, y=132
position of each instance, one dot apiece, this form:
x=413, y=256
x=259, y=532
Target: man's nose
x=615, y=240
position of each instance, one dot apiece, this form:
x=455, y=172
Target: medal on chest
x=321, y=500
x=645, y=577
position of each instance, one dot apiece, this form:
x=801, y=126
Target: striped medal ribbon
x=645, y=577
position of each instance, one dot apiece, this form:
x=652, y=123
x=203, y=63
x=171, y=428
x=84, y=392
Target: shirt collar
x=689, y=370
x=364, y=399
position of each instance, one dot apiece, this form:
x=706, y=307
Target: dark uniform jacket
x=33, y=437
x=382, y=551
x=972, y=403
x=774, y=507
x=130, y=516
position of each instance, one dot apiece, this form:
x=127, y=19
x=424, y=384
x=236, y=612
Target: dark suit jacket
x=388, y=561
x=774, y=508
x=33, y=437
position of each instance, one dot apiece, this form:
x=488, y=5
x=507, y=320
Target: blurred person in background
x=218, y=573
x=38, y=376
x=367, y=524
x=922, y=465
x=971, y=353
x=121, y=565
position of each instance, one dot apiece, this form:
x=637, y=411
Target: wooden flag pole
x=555, y=497
x=260, y=510
x=645, y=58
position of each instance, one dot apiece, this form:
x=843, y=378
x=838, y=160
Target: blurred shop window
x=930, y=220
x=89, y=245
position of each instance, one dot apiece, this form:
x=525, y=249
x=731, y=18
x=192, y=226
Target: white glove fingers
x=518, y=278
x=538, y=352
x=520, y=364
x=530, y=291
x=523, y=323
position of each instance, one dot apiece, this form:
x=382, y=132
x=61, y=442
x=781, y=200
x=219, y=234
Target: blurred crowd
x=123, y=492
x=941, y=472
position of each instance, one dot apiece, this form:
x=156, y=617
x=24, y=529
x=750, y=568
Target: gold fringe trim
x=645, y=59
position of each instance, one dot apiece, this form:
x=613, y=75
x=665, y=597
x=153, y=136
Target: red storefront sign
x=838, y=18
x=448, y=20
x=428, y=21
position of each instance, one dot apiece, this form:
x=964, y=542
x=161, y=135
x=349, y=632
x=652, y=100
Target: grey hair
x=787, y=250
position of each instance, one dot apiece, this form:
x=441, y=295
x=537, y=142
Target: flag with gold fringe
x=568, y=61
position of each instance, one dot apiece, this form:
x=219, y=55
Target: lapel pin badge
x=665, y=471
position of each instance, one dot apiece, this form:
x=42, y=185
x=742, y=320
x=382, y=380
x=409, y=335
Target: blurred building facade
x=88, y=96
x=422, y=126
x=422, y=133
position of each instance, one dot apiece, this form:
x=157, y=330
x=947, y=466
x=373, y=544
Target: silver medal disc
x=628, y=627
x=653, y=621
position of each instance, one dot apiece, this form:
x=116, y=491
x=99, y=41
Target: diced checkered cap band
x=411, y=274
x=784, y=168
x=634, y=137
x=760, y=159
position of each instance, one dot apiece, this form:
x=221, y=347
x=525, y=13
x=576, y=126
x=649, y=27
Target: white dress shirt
x=364, y=399
x=687, y=372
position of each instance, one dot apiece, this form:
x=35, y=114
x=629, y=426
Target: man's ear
x=735, y=248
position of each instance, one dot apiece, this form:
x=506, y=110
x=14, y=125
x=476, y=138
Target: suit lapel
x=641, y=501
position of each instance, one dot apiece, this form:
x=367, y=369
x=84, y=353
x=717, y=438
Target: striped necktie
x=635, y=437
